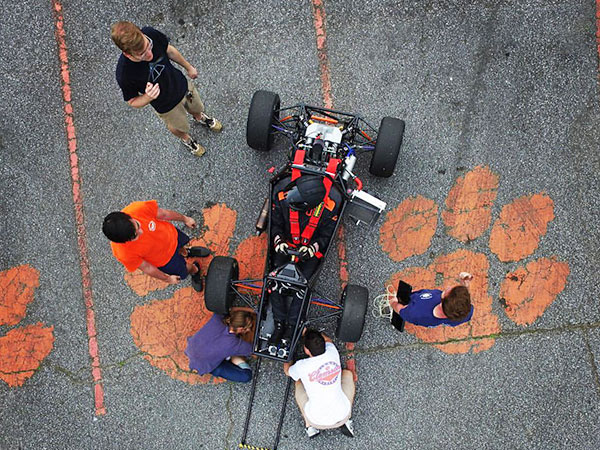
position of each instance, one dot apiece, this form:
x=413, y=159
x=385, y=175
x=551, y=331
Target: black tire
x=218, y=293
x=350, y=324
x=387, y=147
x=264, y=111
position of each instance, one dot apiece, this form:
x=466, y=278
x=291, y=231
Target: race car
x=323, y=143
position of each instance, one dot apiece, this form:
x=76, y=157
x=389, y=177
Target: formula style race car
x=324, y=143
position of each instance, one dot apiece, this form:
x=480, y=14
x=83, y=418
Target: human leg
x=193, y=104
x=177, y=123
x=177, y=265
x=349, y=389
x=232, y=372
x=348, y=386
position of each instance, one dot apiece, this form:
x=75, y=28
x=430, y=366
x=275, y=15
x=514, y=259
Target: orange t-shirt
x=157, y=243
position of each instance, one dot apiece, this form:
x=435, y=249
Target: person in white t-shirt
x=324, y=392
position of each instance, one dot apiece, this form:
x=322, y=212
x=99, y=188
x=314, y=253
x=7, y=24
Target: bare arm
x=396, y=305
x=465, y=278
x=286, y=368
x=152, y=92
x=167, y=214
x=175, y=55
x=154, y=272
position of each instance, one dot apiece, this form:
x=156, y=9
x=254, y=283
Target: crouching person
x=324, y=392
x=219, y=347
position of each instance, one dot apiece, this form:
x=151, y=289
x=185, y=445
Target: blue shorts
x=176, y=265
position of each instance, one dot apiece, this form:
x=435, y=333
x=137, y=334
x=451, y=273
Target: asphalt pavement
x=508, y=85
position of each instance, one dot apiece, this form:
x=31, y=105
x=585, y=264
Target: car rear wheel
x=350, y=324
x=218, y=293
x=263, y=113
x=387, y=147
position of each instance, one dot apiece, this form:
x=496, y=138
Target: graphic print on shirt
x=155, y=69
x=326, y=374
x=426, y=295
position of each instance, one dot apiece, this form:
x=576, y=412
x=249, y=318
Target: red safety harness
x=306, y=235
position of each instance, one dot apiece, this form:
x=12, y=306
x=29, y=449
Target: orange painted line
x=86, y=279
x=324, y=119
x=319, y=23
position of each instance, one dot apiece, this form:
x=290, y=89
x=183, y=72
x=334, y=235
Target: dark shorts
x=176, y=265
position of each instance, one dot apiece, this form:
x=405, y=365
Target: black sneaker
x=288, y=333
x=348, y=429
x=197, y=252
x=197, y=280
x=277, y=333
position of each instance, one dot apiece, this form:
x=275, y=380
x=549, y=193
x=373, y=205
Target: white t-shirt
x=322, y=379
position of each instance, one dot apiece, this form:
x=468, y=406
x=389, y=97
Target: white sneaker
x=312, y=432
x=195, y=148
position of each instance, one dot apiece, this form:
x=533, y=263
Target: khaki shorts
x=176, y=119
x=347, y=387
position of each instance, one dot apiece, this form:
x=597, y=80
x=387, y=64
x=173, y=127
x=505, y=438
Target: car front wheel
x=354, y=302
x=219, y=294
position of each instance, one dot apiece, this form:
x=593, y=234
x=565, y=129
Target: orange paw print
x=524, y=293
x=160, y=328
x=21, y=349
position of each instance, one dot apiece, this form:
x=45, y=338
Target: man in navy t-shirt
x=433, y=307
x=146, y=76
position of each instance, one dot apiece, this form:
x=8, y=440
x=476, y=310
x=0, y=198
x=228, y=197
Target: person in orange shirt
x=142, y=237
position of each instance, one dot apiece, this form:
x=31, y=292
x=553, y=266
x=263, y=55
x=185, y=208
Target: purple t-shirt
x=420, y=309
x=212, y=344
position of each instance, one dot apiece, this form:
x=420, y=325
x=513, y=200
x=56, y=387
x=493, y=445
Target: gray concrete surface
x=509, y=84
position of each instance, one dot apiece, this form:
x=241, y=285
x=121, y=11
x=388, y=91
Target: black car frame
x=321, y=134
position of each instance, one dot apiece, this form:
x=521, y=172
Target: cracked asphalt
x=509, y=84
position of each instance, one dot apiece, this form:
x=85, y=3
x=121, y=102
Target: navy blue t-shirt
x=133, y=76
x=420, y=309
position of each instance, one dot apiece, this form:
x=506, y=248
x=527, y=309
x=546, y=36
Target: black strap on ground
x=249, y=412
x=252, y=392
x=282, y=416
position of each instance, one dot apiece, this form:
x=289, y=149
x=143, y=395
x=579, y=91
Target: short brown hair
x=127, y=37
x=314, y=342
x=239, y=319
x=457, y=304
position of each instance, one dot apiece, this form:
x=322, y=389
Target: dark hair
x=314, y=342
x=457, y=303
x=239, y=319
x=118, y=228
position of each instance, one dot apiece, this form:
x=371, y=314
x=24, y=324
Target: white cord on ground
x=381, y=303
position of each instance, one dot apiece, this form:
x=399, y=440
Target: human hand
x=308, y=251
x=465, y=276
x=152, y=90
x=189, y=222
x=173, y=279
x=192, y=72
x=280, y=245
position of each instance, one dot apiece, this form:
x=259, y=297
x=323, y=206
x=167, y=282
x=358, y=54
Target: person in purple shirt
x=432, y=307
x=219, y=349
